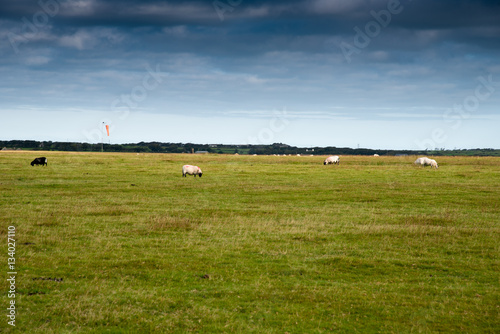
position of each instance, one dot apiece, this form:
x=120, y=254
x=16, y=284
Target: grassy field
x=122, y=243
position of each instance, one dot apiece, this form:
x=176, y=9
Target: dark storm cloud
x=424, y=14
x=259, y=26
x=95, y=28
x=231, y=57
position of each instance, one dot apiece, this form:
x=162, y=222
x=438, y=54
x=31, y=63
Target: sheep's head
x=324, y=162
x=200, y=174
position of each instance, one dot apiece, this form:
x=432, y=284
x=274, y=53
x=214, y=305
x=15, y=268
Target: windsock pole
x=102, y=140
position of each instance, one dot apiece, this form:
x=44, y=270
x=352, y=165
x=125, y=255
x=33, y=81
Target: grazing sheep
x=191, y=170
x=39, y=161
x=334, y=159
x=424, y=161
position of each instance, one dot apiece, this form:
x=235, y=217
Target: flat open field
x=123, y=243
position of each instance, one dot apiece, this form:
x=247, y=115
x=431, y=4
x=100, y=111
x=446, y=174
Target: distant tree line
x=276, y=148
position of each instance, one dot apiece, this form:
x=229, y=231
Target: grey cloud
x=263, y=53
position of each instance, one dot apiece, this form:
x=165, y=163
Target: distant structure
x=201, y=152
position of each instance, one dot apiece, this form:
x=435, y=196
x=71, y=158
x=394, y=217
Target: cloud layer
x=359, y=61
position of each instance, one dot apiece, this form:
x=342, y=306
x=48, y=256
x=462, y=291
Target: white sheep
x=191, y=170
x=334, y=159
x=424, y=161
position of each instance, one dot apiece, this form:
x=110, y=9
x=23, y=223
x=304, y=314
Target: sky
x=382, y=74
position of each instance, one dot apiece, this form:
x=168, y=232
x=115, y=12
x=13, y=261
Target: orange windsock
x=107, y=129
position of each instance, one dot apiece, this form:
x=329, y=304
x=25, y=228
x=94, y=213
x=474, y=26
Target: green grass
x=257, y=245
